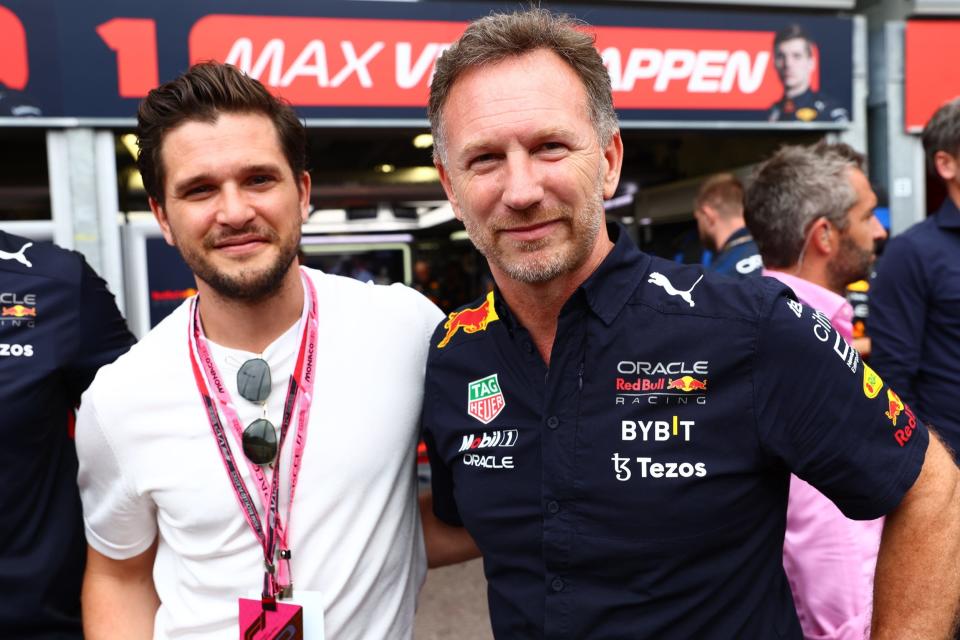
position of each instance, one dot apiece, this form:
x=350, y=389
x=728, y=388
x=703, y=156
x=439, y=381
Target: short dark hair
x=942, y=133
x=793, y=32
x=793, y=188
x=505, y=35
x=724, y=193
x=202, y=94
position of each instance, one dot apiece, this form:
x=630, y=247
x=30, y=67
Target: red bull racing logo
x=688, y=384
x=895, y=407
x=18, y=311
x=485, y=400
x=470, y=320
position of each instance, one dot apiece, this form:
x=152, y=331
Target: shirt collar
x=609, y=287
x=742, y=232
x=834, y=306
x=948, y=216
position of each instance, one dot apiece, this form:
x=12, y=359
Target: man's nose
x=522, y=183
x=234, y=210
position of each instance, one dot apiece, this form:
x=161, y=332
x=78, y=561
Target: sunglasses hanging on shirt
x=260, y=436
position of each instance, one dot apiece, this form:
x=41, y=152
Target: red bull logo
x=18, y=311
x=470, y=320
x=688, y=384
x=894, y=406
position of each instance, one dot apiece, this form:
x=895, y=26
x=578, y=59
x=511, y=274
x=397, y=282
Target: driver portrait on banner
x=796, y=64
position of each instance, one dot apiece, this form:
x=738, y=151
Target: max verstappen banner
x=930, y=78
x=67, y=62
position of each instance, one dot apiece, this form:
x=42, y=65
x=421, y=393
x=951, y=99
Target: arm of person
x=917, y=585
x=445, y=544
x=118, y=598
x=898, y=309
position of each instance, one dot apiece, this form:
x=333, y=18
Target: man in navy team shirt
x=616, y=432
x=58, y=325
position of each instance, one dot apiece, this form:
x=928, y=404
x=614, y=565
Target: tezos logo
x=16, y=350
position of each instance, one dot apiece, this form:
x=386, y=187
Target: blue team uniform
x=638, y=487
x=58, y=325
x=739, y=256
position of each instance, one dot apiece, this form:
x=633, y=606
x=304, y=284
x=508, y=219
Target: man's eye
x=260, y=180
x=199, y=190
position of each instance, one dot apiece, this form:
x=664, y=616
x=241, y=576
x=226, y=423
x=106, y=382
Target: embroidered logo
x=470, y=320
x=871, y=382
x=484, y=399
x=19, y=256
x=661, y=281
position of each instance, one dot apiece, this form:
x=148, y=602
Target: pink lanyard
x=300, y=386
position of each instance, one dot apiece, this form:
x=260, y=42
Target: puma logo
x=661, y=281
x=18, y=256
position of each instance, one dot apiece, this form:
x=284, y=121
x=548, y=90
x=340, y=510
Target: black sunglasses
x=260, y=436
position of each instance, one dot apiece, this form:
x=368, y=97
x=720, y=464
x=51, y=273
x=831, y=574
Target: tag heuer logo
x=485, y=400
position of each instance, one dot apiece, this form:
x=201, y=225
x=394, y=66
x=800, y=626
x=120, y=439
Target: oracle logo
x=14, y=70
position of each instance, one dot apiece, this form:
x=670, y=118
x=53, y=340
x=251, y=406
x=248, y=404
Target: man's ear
x=448, y=188
x=303, y=186
x=612, y=163
x=946, y=165
x=161, y=215
x=822, y=238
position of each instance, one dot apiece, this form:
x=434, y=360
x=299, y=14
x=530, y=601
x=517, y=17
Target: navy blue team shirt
x=915, y=318
x=739, y=256
x=58, y=325
x=638, y=487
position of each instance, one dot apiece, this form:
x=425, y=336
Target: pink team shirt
x=829, y=559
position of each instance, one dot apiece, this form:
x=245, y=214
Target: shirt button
x=527, y=346
x=553, y=422
x=557, y=584
x=553, y=507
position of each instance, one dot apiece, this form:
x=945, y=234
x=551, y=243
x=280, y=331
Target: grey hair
x=942, y=133
x=793, y=188
x=505, y=35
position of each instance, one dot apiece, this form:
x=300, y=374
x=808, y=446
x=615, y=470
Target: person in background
x=915, y=297
x=794, y=59
x=58, y=325
x=718, y=210
x=616, y=431
x=810, y=210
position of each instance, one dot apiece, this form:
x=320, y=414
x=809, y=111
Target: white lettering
x=409, y=76
x=16, y=350
x=649, y=468
x=241, y=56
x=356, y=65
x=312, y=61
x=707, y=71
x=677, y=64
x=628, y=430
x=488, y=462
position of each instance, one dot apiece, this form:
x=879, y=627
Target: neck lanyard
x=299, y=388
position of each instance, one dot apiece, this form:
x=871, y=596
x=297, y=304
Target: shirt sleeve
x=102, y=333
x=830, y=418
x=119, y=523
x=898, y=308
x=441, y=476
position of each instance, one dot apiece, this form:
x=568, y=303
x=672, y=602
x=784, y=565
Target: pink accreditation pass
x=259, y=623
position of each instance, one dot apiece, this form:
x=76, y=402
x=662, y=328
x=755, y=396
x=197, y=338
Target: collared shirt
x=833, y=305
x=830, y=559
x=809, y=106
x=915, y=318
x=638, y=487
x=739, y=256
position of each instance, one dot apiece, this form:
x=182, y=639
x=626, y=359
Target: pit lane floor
x=453, y=604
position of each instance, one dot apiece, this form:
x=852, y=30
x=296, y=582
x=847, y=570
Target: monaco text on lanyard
x=275, y=537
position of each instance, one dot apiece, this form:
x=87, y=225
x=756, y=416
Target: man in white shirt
x=256, y=449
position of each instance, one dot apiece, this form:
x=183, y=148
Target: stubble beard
x=246, y=284
x=530, y=268
x=853, y=263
